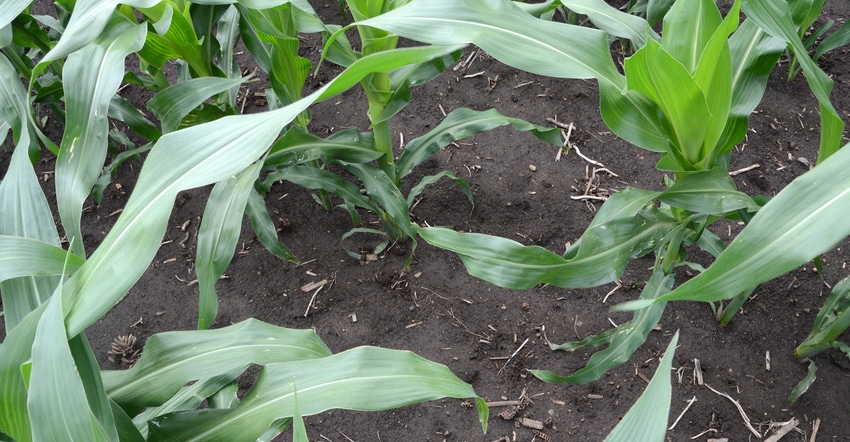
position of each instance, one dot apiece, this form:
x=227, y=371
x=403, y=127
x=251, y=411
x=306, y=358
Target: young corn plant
x=52, y=386
x=686, y=95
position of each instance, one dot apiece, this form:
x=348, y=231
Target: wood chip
x=784, y=428
x=309, y=287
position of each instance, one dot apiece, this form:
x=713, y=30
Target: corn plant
x=686, y=95
x=52, y=386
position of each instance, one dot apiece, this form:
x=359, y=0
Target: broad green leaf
x=383, y=190
x=712, y=192
x=172, y=359
x=402, y=79
x=774, y=17
x=832, y=320
x=688, y=27
x=805, y=383
x=802, y=221
x=121, y=110
x=363, y=379
x=11, y=9
x=754, y=53
x=265, y=228
x=89, y=373
x=600, y=258
x=31, y=257
x=174, y=102
x=175, y=38
x=508, y=34
x=655, y=73
x=460, y=124
x=837, y=39
x=227, y=35
x=26, y=214
x=612, y=20
x=91, y=77
x=56, y=398
x=218, y=236
x=87, y=22
x=624, y=341
x=315, y=178
x=298, y=146
x=15, y=352
x=648, y=416
x=15, y=109
x=187, y=398
x=431, y=179
x=657, y=9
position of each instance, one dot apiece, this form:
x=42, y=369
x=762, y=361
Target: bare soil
x=522, y=192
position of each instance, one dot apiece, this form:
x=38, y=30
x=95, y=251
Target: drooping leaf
x=460, y=124
x=31, y=257
x=91, y=76
x=805, y=383
x=172, y=359
x=56, y=398
x=774, y=17
x=711, y=192
x=648, y=416
x=298, y=146
x=363, y=378
x=624, y=341
x=265, y=228
x=612, y=20
x=600, y=258
x=26, y=214
x=175, y=102
x=802, y=221
x=832, y=320
x=218, y=236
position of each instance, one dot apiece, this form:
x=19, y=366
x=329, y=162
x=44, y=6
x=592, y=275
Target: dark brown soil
x=436, y=310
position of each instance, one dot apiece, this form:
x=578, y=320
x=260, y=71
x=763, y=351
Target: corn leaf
x=298, y=146
x=15, y=352
x=648, y=416
x=363, y=378
x=600, y=258
x=187, y=398
x=658, y=75
x=688, y=27
x=91, y=76
x=56, y=398
x=174, y=102
x=612, y=20
x=218, y=236
x=802, y=221
x=712, y=192
x=26, y=214
x=837, y=39
x=805, y=383
x=85, y=25
x=832, y=320
x=460, y=124
x=121, y=110
x=402, y=79
x=11, y=9
x=624, y=341
x=264, y=227
x=31, y=257
x=383, y=190
x=172, y=359
x=774, y=17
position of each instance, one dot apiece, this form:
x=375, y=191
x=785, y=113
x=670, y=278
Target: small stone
x=532, y=167
x=804, y=161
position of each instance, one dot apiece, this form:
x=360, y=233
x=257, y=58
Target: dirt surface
x=522, y=192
